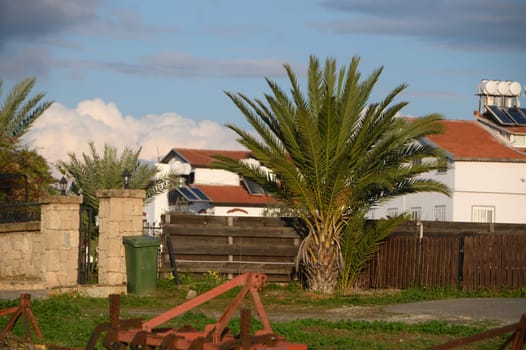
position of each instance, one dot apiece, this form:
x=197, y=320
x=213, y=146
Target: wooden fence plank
x=206, y=230
x=234, y=267
x=238, y=250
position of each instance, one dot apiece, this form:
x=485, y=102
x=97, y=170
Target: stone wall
x=60, y=222
x=21, y=255
x=120, y=214
x=42, y=254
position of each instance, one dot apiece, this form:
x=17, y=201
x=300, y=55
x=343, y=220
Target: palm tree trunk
x=322, y=268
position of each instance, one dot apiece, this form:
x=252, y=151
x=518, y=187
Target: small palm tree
x=16, y=114
x=329, y=155
x=92, y=171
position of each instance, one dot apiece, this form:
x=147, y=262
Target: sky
x=153, y=74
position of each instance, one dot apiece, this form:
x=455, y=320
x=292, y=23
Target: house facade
x=200, y=189
x=486, y=178
x=486, y=165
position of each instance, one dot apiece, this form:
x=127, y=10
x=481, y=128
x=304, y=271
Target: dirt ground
x=492, y=311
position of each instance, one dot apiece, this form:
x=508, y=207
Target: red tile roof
x=469, y=140
x=202, y=158
x=234, y=195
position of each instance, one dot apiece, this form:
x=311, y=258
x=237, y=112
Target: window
x=483, y=214
x=252, y=187
x=518, y=140
x=370, y=214
x=439, y=213
x=416, y=213
x=392, y=212
x=442, y=166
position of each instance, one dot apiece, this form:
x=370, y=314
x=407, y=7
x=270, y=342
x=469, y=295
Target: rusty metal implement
x=139, y=334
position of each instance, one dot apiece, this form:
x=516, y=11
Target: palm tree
x=16, y=114
x=93, y=171
x=329, y=155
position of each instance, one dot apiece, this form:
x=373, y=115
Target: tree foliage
x=92, y=171
x=330, y=155
x=17, y=114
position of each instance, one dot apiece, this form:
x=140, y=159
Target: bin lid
x=140, y=241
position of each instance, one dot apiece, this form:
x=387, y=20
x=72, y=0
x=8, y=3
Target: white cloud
x=61, y=130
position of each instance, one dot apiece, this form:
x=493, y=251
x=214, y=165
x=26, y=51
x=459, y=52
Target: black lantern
x=63, y=185
x=126, y=178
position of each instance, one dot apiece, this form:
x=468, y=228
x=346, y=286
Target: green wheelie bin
x=141, y=263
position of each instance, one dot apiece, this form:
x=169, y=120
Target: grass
x=68, y=320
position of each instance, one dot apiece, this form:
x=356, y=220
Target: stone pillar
x=120, y=214
x=59, y=225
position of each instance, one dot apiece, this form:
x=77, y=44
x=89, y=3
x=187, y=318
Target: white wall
x=155, y=208
x=509, y=208
x=490, y=177
x=157, y=205
x=490, y=184
x=204, y=176
x=493, y=184
x=251, y=211
x=426, y=201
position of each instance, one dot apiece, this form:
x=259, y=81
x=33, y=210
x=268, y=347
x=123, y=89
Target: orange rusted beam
x=201, y=299
x=22, y=310
x=8, y=311
x=518, y=336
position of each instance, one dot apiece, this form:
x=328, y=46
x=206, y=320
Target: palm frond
x=17, y=114
x=93, y=171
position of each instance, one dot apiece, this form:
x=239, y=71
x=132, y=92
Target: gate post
x=60, y=239
x=120, y=214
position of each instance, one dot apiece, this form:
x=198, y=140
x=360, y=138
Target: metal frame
x=23, y=310
x=137, y=334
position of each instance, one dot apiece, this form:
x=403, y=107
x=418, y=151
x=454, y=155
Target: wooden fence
x=429, y=254
x=494, y=261
x=469, y=262
x=230, y=245
x=405, y=261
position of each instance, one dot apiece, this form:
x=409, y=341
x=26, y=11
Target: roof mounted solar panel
x=192, y=194
x=187, y=193
x=500, y=116
x=516, y=115
x=200, y=194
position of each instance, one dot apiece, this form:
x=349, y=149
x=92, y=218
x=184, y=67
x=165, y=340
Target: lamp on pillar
x=126, y=178
x=63, y=185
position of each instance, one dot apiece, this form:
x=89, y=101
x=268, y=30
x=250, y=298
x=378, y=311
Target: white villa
x=485, y=170
x=203, y=190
